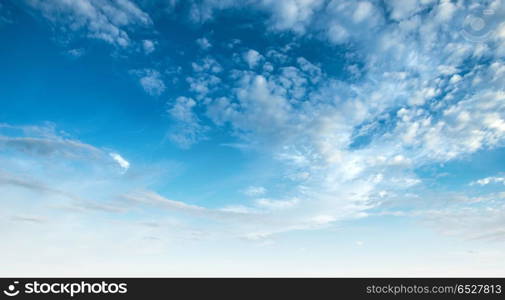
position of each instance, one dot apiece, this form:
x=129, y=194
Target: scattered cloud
x=412, y=92
x=409, y=104
x=203, y=43
x=98, y=19
x=252, y=58
x=148, y=46
x=151, y=81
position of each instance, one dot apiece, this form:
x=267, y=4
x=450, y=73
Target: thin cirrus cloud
x=488, y=180
x=44, y=142
x=253, y=191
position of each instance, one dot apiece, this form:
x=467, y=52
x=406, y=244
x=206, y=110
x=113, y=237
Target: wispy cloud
x=99, y=19
x=488, y=180
x=254, y=191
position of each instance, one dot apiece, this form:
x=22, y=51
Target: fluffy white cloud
x=293, y=15
x=151, y=81
x=205, y=80
x=252, y=58
x=207, y=65
x=148, y=46
x=261, y=111
x=403, y=9
x=466, y=127
x=123, y=163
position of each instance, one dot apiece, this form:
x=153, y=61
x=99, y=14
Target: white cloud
x=151, y=81
x=123, y=163
x=338, y=34
x=402, y=9
x=409, y=104
x=252, y=58
x=363, y=11
x=262, y=111
x=208, y=64
x=32, y=143
x=293, y=15
x=148, y=46
x=100, y=19
x=205, y=80
x=455, y=79
x=488, y=180
x=203, y=43
x=182, y=110
x=466, y=127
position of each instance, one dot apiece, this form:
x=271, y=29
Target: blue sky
x=252, y=138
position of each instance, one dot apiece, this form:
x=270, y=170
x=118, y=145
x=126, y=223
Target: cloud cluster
x=408, y=107
x=99, y=19
x=415, y=87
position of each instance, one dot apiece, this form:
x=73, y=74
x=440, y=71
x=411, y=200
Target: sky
x=252, y=138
